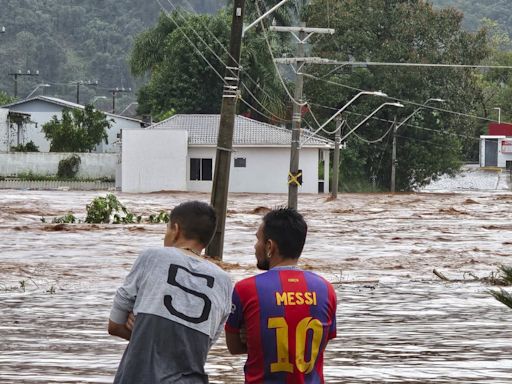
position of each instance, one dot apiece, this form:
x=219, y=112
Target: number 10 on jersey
x=283, y=363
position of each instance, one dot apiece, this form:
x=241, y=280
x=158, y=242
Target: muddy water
x=397, y=322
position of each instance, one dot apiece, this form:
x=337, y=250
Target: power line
x=190, y=41
x=407, y=124
x=402, y=100
x=222, y=62
x=292, y=98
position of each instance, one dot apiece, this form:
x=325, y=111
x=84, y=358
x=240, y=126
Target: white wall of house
x=154, y=160
x=42, y=112
x=266, y=169
x=504, y=151
x=92, y=165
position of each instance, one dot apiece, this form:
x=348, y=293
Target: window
x=240, y=162
x=201, y=169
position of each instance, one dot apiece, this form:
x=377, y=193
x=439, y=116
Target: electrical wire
x=242, y=71
x=190, y=41
x=402, y=100
x=292, y=98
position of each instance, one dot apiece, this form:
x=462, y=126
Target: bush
x=29, y=147
x=100, y=210
x=68, y=167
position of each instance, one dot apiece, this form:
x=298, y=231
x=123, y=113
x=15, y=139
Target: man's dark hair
x=196, y=219
x=288, y=229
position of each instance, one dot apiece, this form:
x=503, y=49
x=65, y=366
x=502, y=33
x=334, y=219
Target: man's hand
x=130, y=322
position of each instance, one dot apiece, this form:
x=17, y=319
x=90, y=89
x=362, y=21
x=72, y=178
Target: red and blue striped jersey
x=290, y=315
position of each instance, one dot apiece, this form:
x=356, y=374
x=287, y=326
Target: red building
x=502, y=129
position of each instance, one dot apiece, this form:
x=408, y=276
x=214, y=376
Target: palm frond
x=503, y=297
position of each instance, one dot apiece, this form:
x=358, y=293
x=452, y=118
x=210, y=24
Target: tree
x=407, y=31
x=5, y=98
x=180, y=79
x=78, y=130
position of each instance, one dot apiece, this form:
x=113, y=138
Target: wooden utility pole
x=114, y=92
x=79, y=83
x=336, y=158
x=15, y=75
x=393, y=157
x=302, y=34
x=220, y=186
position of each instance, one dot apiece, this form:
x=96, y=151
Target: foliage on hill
x=73, y=40
x=476, y=10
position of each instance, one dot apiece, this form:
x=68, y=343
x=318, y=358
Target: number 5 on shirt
x=283, y=363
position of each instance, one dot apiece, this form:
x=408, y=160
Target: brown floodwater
x=397, y=322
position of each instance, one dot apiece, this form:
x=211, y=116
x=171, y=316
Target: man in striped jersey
x=282, y=318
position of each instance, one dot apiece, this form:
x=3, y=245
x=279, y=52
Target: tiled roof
x=203, y=130
x=63, y=103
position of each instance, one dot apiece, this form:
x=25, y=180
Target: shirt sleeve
x=226, y=310
x=333, y=299
x=126, y=295
x=236, y=317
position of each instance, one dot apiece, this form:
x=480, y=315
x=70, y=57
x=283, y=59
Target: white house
x=496, y=147
x=179, y=154
x=41, y=110
x=12, y=128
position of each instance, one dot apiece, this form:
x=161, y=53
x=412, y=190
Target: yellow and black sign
x=295, y=179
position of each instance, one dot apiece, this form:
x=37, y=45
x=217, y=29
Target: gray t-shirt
x=181, y=304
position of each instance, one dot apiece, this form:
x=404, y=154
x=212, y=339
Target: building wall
x=503, y=157
x=266, y=170
x=42, y=112
x=154, y=160
x=93, y=165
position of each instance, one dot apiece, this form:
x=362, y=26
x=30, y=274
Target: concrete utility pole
x=20, y=74
x=336, y=158
x=395, y=130
x=302, y=34
x=114, y=92
x=220, y=186
x=393, y=157
x=81, y=82
x=293, y=183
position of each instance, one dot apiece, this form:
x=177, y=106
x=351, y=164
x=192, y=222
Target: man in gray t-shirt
x=180, y=302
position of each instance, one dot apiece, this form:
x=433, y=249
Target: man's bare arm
x=119, y=330
x=235, y=344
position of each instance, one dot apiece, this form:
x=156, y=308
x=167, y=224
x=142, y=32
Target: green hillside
x=76, y=40
x=475, y=10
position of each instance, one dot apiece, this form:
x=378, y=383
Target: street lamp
x=36, y=88
x=398, y=105
x=395, y=129
x=499, y=114
x=263, y=16
x=376, y=93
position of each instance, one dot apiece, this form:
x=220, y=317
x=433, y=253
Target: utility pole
x=302, y=34
x=114, y=92
x=220, y=186
x=293, y=183
x=395, y=130
x=20, y=74
x=393, y=157
x=336, y=158
x=81, y=82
